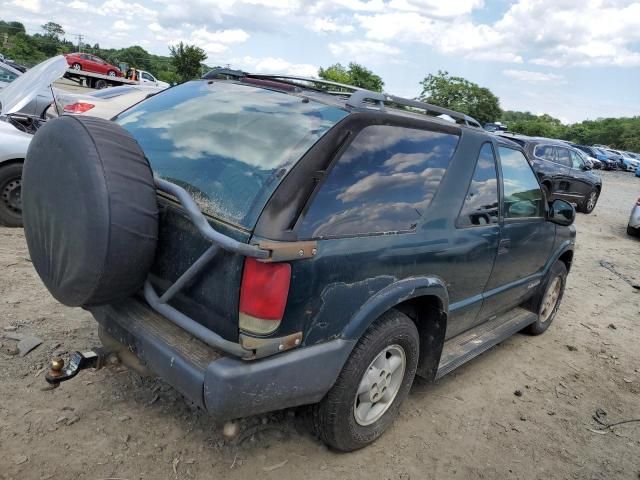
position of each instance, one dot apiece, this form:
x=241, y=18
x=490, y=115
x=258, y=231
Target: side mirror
x=561, y=213
x=585, y=167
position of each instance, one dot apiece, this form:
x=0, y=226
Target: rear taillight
x=79, y=107
x=263, y=295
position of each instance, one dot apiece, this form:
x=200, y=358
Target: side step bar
x=468, y=345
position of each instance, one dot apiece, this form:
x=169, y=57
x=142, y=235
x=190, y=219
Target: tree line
x=456, y=93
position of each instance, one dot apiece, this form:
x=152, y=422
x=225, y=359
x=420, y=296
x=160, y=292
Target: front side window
x=576, y=160
x=481, y=203
x=146, y=76
x=522, y=195
x=383, y=183
x=229, y=145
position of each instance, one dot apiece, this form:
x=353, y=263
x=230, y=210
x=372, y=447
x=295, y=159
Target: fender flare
x=391, y=296
x=565, y=246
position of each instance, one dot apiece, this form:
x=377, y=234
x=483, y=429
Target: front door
x=582, y=184
x=526, y=238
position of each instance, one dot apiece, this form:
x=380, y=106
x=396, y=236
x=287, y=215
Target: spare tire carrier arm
x=266, y=252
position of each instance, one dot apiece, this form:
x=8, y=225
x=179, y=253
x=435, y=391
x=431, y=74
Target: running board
x=468, y=345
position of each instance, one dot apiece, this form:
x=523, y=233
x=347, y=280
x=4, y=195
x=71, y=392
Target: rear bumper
x=225, y=386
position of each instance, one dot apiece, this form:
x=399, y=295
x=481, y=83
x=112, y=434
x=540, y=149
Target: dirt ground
x=471, y=424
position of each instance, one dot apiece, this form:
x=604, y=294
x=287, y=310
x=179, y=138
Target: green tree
x=459, y=94
x=355, y=75
x=187, y=60
x=53, y=30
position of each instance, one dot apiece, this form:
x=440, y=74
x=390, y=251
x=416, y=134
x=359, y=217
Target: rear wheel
x=547, y=306
x=76, y=66
x=100, y=84
x=11, y=195
x=634, y=232
x=589, y=202
x=374, y=382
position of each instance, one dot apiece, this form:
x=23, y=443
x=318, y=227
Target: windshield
x=229, y=145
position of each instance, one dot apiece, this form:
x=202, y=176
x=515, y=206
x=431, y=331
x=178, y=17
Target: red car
x=91, y=63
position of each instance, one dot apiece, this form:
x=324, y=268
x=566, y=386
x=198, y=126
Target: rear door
x=565, y=180
x=552, y=168
x=526, y=238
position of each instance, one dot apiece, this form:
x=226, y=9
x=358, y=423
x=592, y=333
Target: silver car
x=38, y=105
x=634, y=220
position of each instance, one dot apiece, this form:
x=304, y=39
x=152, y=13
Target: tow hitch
x=79, y=361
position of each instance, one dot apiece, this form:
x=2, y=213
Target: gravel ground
x=471, y=424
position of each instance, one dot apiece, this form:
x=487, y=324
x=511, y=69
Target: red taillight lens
x=79, y=107
x=263, y=295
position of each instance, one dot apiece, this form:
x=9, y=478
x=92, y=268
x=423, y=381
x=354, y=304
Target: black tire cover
x=89, y=209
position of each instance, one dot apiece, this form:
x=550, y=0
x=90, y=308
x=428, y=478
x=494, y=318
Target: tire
x=111, y=73
x=547, y=311
x=77, y=66
x=634, y=232
x=10, y=195
x=589, y=203
x=100, y=84
x=89, y=209
x=339, y=419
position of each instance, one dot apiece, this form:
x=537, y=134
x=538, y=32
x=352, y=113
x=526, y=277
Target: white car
x=104, y=103
x=633, y=227
x=15, y=135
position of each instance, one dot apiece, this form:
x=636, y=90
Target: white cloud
x=437, y=8
x=534, y=77
x=274, y=65
x=329, y=25
x=33, y=6
x=121, y=26
x=360, y=50
x=78, y=5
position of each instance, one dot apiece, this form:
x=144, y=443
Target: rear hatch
x=229, y=145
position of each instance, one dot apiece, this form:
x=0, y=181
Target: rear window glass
x=229, y=145
x=383, y=183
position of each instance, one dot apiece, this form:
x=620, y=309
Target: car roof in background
x=115, y=91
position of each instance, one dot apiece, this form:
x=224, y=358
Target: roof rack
x=361, y=98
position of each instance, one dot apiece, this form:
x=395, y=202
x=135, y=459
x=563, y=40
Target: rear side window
x=481, y=203
x=383, y=183
x=545, y=152
x=229, y=145
x=564, y=156
x=522, y=194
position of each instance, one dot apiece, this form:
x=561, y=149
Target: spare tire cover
x=89, y=209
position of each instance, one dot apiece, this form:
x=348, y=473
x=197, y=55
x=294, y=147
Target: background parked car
x=592, y=152
x=562, y=171
x=104, y=103
x=7, y=74
x=617, y=156
x=591, y=162
x=608, y=159
x=39, y=105
x=629, y=162
x=91, y=63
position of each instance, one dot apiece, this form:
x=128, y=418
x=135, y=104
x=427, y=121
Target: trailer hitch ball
x=59, y=372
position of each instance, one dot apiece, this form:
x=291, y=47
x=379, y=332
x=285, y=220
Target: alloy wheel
x=379, y=385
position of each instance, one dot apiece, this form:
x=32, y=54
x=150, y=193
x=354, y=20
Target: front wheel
x=111, y=73
x=76, y=66
x=589, y=202
x=11, y=195
x=547, y=305
x=374, y=382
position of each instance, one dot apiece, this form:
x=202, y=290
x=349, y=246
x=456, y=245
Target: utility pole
x=80, y=37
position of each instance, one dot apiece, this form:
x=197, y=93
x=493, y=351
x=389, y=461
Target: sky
x=572, y=59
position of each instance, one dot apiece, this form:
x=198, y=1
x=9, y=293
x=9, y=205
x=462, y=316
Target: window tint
x=522, y=194
x=481, y=203
x=146, y=76
x=564, y=156
x=384, y=182
x=229, y=145
x=576, y=161
x=545, y=152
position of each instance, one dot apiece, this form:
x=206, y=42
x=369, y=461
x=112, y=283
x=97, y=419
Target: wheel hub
x=592, y=200
x=379, y=385
x=11, y=195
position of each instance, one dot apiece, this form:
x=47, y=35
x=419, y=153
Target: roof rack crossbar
x=363, y=99
x=405, y=102
x=318, y=81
